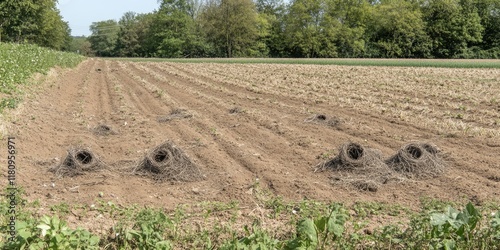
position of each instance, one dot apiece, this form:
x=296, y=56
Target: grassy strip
x=436, y=63
x=273, y=224
x=18, y=62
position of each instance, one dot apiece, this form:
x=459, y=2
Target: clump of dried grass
x=360, y=167
x=417, y=160
x=175, y=114
x=78, y=161
x=166, y=162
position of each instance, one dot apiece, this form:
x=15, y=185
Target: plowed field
x=251, y=123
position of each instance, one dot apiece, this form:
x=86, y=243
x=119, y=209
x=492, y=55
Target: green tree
x=80, y=45
x=231, y=25
x=310, y=31
x=127, y=44
x=34, y=22
x=489, y=13
x=452, y=26
x=104, y=37
x=353, y=16
x=271, y=27
x=397, y=30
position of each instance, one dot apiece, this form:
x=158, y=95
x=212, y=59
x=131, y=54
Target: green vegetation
x=277, y=225
x=39, y=22
x=305, y=29
x=19, y=62
x=458, y=63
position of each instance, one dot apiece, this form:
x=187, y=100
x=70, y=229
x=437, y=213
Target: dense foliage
x=305, y=28
x=29, y=21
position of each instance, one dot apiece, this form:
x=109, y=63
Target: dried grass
x=78, y=161
x=360, y=167
x=166, y=162
x=417, y=160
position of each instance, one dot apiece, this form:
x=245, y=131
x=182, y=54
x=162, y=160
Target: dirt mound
x=360, y=167
x=166, y=162
x=417, y=160
x=78, y=160
x=175, y=114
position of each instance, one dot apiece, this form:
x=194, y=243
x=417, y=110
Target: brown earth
x=249, y=124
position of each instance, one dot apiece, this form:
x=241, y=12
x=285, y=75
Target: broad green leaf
x=438, y=219
x=306, y=228
x=44, y=228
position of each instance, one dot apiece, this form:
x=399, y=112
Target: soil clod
x=103, y=130
x=175, y=114
x=323, y=119
x=235, y=110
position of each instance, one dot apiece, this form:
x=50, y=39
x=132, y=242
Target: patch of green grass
x=306, y=224
x=435, y=63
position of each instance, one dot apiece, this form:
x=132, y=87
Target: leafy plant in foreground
x=317, y=233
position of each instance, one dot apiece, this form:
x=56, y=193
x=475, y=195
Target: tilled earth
x=252, y=123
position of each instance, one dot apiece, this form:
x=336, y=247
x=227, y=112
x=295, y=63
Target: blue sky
x=81, y=13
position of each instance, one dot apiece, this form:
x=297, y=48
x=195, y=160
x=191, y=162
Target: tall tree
x=104, y=37
x=34, y=22
x=310, y=31
x=489, y=12
x=271, y=26
x=452, y=26
x=397, y=30
x=353, y=16
x=127, y=43
x=231, y=25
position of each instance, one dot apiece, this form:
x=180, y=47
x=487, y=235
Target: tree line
x=271, y=28
x=305, y=28
x=34, y=21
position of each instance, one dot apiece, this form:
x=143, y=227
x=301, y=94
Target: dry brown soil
x=249, y=124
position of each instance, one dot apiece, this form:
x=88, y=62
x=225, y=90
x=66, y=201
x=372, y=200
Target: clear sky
x=81, y=13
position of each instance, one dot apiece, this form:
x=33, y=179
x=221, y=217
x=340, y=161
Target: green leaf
x=307, y=228
x=336, y=221
x=449, y=244
x=438, y=219
x=44, y=228
x=320, y=224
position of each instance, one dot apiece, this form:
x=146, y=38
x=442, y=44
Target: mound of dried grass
x=78, y=160
x=360, y=167
x=175, y=114
x=417, y=160
x=166, y=162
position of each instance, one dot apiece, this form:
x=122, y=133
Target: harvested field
x=243, y=122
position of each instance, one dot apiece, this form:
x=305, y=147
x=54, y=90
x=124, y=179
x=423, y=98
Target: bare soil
x=268, y=140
